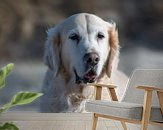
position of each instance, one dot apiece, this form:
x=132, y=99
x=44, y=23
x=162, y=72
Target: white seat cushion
x=125, y=110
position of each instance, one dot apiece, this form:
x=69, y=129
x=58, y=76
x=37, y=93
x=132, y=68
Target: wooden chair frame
x=146, y=106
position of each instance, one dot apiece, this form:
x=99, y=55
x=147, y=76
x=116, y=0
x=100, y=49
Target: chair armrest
x=110, y=88
x=148, y=99
x=150, y=88
x=102, y=85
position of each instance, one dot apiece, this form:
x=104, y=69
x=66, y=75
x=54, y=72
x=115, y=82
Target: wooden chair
x=137, y=106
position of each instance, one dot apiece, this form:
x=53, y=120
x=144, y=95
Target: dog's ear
x=112, y=61
x=52, y=50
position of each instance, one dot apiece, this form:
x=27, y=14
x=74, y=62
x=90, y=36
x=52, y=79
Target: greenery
x=20, y=98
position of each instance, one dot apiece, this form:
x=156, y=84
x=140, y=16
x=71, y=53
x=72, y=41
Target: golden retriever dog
x=82, y=49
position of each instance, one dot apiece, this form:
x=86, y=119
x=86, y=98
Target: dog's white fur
x=62, y=55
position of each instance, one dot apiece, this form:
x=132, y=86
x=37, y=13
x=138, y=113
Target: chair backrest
x=140, y=77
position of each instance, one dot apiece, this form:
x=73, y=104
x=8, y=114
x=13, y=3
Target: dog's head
x=84, y=45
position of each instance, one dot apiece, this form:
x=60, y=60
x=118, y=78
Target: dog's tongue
x=90, y=75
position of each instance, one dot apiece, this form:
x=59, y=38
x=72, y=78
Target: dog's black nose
x=91, y=59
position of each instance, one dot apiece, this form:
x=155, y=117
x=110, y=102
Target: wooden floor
x=55, y=121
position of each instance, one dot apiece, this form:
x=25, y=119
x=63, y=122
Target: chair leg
x=144, y=126
x=124, y=125
x=94, y=123
x=146, y=109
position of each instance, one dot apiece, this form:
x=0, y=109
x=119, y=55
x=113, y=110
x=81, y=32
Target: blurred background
x=23, y=25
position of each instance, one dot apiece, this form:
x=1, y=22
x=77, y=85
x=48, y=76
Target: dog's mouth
x=90, y=76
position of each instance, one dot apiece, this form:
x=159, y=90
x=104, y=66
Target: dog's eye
x=100, y=35
x=74, y=37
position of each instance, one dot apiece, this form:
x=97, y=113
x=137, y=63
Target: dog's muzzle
x=91, y=61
